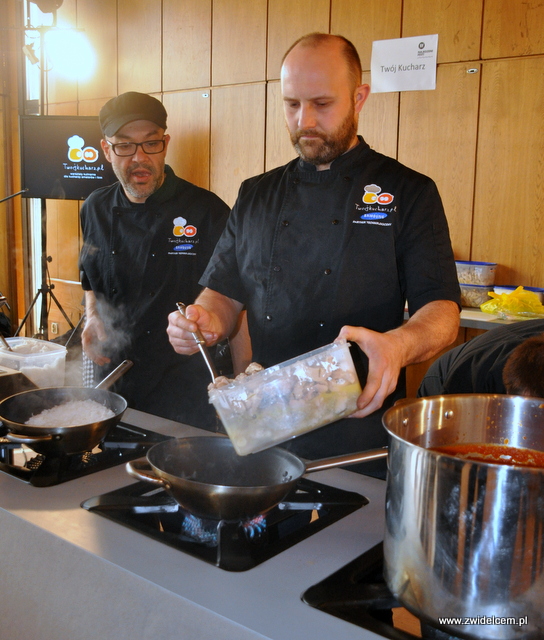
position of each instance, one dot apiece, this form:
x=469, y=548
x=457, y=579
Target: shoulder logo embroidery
x=181, y=228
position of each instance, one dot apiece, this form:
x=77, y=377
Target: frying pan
x=17, y=409
x=209, y=479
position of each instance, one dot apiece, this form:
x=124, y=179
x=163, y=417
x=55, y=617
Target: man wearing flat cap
x=147, y=241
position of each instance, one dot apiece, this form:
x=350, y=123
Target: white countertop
x=69, y=574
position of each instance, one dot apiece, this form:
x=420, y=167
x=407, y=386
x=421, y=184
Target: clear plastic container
x=473, y=295
x=288, y=399
x=481, y=273
x=42, y=362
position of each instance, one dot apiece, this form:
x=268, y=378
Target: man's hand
x=93, y=335
x=385, y=362
x=213, y=313
x=180, y=329
x=428, y=331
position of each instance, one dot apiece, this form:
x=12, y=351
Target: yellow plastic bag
x=518, y=305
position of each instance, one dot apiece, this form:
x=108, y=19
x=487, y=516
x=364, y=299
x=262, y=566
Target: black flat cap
x=130, y=106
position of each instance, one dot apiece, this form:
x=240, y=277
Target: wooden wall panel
x=139, y=50
x=237, y=135
x=186, y=53
x=70, y=296
x=512, y=28
x=189, y=128
x=288, y=21
x=279, y=149
x=438, y=132
x=63, y=238
x=98, y=18
x=378, y=121
x=363, y=21
x=91, y=107
x=458, y=25
x=239, y=41
x=508, y=208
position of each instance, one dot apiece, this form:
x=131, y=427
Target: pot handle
x=20, y=439
x=139, y=469
x=350, y=458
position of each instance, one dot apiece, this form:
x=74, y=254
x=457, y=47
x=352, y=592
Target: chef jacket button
x=276, y=268
x=153, y=255
x=327, y=272
x=321, y=324
x=296, y=181
x=151, y=294
x=114, y=252
x=285, y=223
x=268, y=317
x=114, y=291
x=148, y=332
x=347, y=178
x=336, y=221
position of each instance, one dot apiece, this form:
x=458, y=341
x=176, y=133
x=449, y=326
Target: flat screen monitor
x=61, y=157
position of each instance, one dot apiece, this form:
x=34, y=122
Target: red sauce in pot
x=495, y=454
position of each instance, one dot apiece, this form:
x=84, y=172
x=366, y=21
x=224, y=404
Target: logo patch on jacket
x=375, y=206
x=181, y=228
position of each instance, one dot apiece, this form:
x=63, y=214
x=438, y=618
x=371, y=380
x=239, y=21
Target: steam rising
x=117, y=325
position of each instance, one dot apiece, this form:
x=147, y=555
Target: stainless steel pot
x=47, y=440
x=466, y=539
x=208, y=478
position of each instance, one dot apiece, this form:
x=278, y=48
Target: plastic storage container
x=473, y=295
x=42, y=362
x=288, y=399
x=481, y=273
x=508, y=289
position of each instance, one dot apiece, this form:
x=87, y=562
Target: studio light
x=30, y=54
x=47, y=6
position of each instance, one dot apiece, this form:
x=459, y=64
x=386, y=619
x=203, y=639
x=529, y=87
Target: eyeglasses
x=129, y=148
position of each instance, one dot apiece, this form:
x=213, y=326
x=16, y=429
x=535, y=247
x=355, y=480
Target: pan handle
x=20, y=439
x=115, y=375
x=350, y=458
x=139, y=469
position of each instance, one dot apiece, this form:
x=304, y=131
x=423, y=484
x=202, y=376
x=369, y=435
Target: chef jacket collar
x=343, y=161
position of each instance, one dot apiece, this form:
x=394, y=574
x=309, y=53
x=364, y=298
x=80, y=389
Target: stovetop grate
x=123, y=442
x=359, y=594
x=152, y=512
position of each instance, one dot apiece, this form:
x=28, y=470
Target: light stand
x=46, y=289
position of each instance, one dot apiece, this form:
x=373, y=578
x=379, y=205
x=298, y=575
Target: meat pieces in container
x=265, y=407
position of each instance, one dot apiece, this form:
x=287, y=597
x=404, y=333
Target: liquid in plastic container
x=288, y=399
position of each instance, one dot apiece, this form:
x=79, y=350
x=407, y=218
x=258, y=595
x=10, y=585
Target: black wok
x=47, y=440
x=210, y=480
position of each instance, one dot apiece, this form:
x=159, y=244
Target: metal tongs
x=199, y=339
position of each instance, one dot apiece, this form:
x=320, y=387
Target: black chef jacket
x=309, y=251
x=140, y=259
x=476, y=366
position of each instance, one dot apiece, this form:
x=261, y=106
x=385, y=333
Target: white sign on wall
x=404, y=64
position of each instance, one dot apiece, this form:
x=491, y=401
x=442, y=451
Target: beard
x=134, y=189
x=329, y=146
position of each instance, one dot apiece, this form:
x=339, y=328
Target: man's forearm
x=428, y=331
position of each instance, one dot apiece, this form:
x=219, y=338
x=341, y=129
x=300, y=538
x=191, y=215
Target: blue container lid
x=486, y=264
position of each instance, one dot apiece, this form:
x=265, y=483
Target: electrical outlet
x=54, y=327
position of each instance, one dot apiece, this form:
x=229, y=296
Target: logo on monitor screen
x=77, y=151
